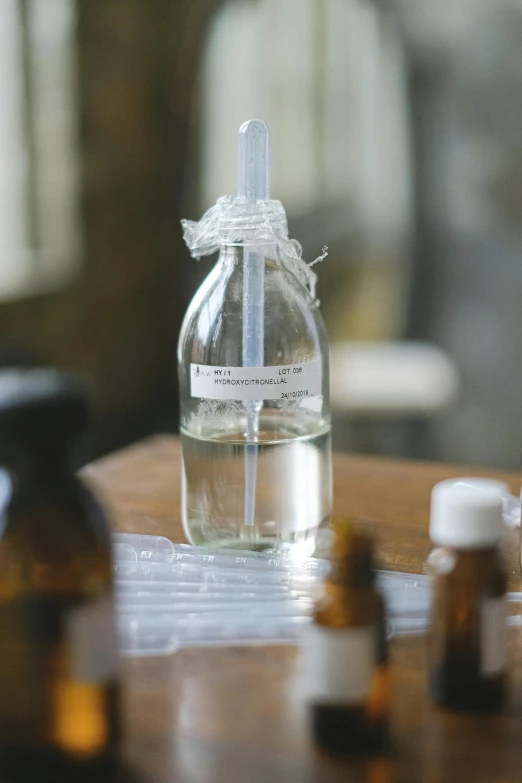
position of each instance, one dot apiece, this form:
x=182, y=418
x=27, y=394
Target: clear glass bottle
x=468, y=637
x=59, y=704
x=253, y=372
x=293, y=479
x=345, y=653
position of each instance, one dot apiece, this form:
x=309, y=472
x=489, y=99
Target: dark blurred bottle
x=345, y=652
x=59, y=693
x=468, y=638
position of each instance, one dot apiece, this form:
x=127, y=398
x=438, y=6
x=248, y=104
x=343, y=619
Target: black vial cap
x=42, y=406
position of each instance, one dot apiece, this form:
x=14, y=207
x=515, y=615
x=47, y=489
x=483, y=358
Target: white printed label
x=284, y=382
x=339, y=664
x=91, y=641
x=493, y=636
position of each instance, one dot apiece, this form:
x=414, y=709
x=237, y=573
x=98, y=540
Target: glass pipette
x=253, y=185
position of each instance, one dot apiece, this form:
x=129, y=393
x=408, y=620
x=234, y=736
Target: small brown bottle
x=58, y=683
x=468, y=638
x=345, y=657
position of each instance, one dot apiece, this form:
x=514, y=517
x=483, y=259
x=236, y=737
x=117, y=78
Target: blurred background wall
x=396, y=143
x=97, y=96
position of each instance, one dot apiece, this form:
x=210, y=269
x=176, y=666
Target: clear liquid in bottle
x=293, y=486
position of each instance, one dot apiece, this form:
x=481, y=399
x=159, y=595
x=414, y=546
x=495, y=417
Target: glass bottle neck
x=444, y=560
x=37, y=461
x=348, y=582
x=236, y=254
x=354, y=570
x=339, y=591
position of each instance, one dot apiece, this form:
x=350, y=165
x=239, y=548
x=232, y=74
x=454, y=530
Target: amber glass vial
x=468, y=637
x=345, y=657
x=58, y=681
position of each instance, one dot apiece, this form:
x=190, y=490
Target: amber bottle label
x=339, y=664
x=91, y=641
x=493, y=636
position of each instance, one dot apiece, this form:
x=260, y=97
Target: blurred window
x=328, y=76
x=39, y=163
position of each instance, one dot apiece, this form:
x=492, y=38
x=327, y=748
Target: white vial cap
x=478, y=483
x=466, y=514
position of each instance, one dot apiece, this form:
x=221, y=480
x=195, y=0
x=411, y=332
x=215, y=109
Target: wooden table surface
x=235, y=715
